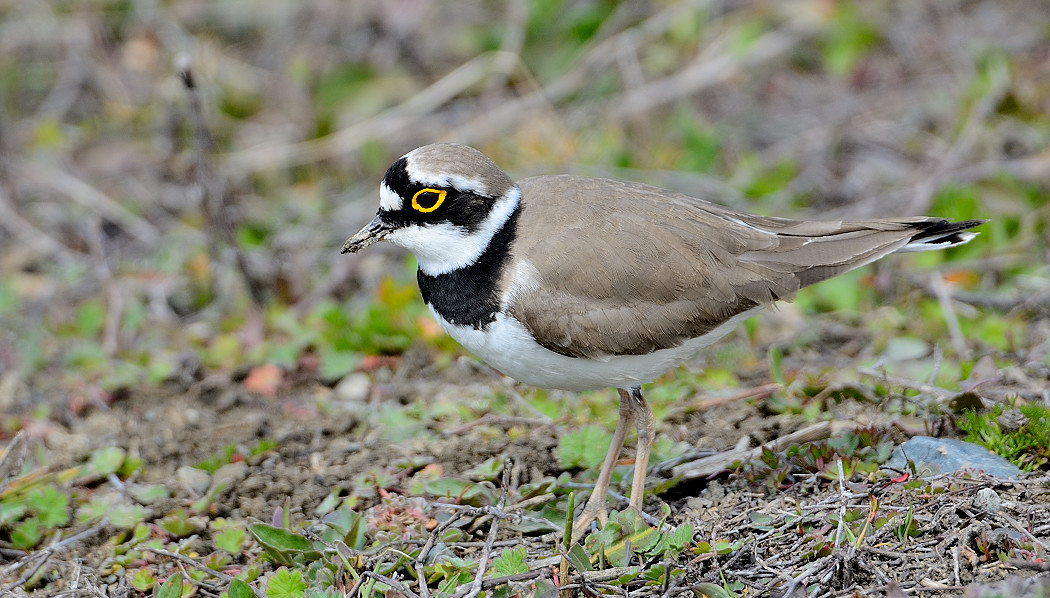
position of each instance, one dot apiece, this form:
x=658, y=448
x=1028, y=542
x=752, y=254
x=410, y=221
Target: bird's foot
x=590, y=513
x=587, y=517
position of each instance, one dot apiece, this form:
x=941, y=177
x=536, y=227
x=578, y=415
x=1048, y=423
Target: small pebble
x=1011, y=420
x=987, y=500
x=354, y=388
x=196, y=479
x=228, y=476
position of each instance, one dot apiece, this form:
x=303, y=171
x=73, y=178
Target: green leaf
x=91, y=318
x=761, y=521
x=710, y=590
x=12, y=509
x=467, y=493
x=677, y=539
x=578, y=558
x=510, y=562
x=231, y=539
x=148, y=493
x=776, y=365
x=570, y=513
x=489, y=469
x=723, y=547
x=346, y=525
x=640, y=542
x=628, y=575
x=842, y=293
x=335, y=363
x=50, y=505
x=453, y=579
x=180, y=525
x=126, y=516
x=107, y=460
x=142, y=579
x=847, y=39
x=583, y=448
x=239, y=589
x=26, y=534
x=285, y=583
x=282, y=544
x=171, y=588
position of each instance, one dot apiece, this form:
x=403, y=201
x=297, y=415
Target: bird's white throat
x=443, y=247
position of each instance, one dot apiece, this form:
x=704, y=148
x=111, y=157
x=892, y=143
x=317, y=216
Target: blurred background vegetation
x=151, y=230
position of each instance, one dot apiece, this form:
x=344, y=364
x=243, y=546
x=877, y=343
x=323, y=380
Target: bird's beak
x=374, y=231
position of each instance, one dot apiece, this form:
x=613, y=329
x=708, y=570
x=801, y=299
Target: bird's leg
x=595, y=507
x=646, y=425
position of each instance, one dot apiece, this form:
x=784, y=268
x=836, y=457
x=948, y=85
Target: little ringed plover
x=581, y=283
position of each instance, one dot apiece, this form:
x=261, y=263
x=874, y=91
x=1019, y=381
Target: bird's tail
x=937, y=233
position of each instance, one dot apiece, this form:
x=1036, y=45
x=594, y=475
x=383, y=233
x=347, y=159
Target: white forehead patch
x=435, y=178
x=388, y=200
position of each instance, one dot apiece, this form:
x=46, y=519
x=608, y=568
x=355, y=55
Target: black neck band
x=469, y=296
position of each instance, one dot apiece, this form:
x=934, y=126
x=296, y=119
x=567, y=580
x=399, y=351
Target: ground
x=321, y=445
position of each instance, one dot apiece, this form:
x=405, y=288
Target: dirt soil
x=321, y=445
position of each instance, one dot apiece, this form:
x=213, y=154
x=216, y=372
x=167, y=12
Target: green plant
x=583, y=447
x=860, y=452
x=627, y=539
x=230, y=538
x=847, y=39
x=180, y=524
x=1027, y=445
x=907, y=527
x=286, y=583
x=142, y=579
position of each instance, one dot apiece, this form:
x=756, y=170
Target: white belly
x=507, y=346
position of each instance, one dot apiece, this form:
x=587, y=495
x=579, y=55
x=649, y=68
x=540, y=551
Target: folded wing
x=641, y=271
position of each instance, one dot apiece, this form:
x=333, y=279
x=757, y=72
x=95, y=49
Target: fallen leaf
x=264, y=379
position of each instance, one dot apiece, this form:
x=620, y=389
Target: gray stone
x=987, y=500
x=227, y=476
x=196, y=479
x=353, y=388
x=948, y=455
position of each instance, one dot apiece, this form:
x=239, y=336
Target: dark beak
x=374, y=231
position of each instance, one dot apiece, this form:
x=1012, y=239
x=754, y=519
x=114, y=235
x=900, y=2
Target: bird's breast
x=469, y=295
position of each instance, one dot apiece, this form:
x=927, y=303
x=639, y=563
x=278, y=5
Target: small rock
x=227, y=476
x=987, y=500
x=696, y=503
x=354, y=388
x=196, y=479
x=1011, y=420
x=192, y=417
x=57, y=439
x=342, y=446
x=948, y=455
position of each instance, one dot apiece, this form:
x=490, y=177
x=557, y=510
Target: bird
x=578, y=283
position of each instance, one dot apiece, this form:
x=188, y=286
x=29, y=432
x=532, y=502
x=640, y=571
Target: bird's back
x=625, y=268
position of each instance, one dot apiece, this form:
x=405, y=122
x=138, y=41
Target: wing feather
x=626, y=269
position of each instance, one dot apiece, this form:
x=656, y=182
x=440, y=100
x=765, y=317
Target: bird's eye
x=428, y=200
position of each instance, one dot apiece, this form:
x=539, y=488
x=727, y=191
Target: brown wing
x=626, y=269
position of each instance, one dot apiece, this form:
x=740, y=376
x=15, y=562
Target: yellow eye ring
x=437, y=204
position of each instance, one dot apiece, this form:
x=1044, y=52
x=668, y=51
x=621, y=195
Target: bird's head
x=442, y=202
